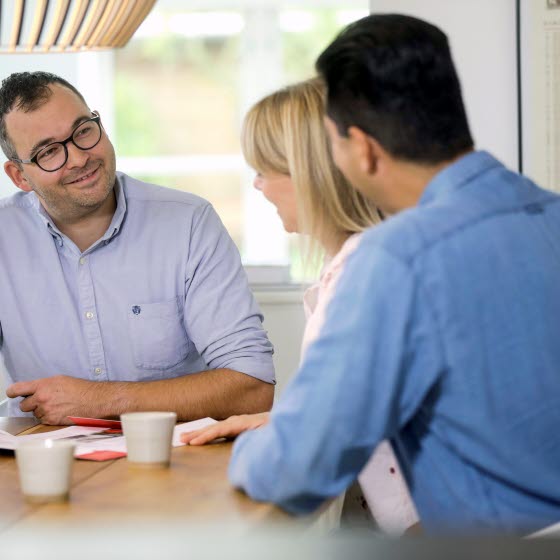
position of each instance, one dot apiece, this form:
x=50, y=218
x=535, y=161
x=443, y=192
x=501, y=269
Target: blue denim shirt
x=160, y=295
x=444, y=337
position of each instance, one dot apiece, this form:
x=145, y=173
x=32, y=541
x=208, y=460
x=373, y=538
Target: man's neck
x=85, y=230
x=409, y=181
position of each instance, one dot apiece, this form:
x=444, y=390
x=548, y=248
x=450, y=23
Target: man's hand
x=53, y=399
x=231, y=427
x=218, y=393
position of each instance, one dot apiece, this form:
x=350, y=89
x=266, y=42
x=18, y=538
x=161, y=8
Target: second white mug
x=148, y=437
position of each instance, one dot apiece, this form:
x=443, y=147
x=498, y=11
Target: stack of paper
x=97, y=443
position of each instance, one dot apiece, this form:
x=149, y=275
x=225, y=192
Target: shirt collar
x=120, y=212
x=112, y=230
x=454, y=176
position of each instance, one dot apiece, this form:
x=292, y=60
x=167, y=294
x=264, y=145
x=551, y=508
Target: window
x=183, y=84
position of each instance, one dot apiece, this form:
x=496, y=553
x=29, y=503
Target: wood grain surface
x=195, y=487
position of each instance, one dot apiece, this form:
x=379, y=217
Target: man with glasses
x=115, y=295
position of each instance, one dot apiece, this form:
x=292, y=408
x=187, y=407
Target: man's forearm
x=217, y=393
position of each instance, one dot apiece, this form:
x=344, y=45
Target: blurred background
x=183, y=84
x=173, y=100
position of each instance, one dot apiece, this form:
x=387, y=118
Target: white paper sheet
x=89, y=440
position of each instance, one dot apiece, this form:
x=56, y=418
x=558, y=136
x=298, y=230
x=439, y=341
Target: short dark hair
x=27, y=91
x=393, y=77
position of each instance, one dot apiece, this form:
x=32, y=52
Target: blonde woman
x=284, y=140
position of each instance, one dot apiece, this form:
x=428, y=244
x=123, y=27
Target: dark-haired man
x=443, y=334
x=115, y=295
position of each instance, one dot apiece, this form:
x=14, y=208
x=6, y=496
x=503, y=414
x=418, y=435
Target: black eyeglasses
x=54, y=156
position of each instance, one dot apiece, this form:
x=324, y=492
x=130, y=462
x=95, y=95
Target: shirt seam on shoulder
x=23, y=204
x=461, y=228
x=130, y=193
x=202, y=204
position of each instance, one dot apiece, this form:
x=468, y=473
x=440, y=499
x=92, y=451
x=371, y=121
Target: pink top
x=381, y=480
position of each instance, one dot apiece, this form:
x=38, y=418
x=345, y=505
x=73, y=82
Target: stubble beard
x=68, y=205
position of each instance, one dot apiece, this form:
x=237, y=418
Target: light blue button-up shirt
x=444, y=337
x=160, y=295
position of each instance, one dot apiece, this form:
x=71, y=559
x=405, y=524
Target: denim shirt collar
x=459, y=173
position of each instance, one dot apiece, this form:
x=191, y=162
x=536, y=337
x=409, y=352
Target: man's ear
x=364, y=147
x=369, y=153
x=15, y=173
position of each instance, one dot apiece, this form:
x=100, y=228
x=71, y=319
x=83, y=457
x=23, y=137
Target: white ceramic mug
x=45, y=469
x=148, y=437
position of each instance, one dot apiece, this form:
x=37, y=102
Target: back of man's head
x=393, y=77
x=25, y=91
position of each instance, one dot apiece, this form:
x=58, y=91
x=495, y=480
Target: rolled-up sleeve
x=363, y=378
x=221, y=315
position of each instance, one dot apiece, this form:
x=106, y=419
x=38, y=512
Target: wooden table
x=194, y=488
x=188, y=511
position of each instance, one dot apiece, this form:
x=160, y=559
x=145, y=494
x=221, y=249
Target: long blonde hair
x=285, y=133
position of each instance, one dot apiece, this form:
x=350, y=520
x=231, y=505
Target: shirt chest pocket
x=158, y=338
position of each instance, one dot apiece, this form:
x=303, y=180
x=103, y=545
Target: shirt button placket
x=92, y=329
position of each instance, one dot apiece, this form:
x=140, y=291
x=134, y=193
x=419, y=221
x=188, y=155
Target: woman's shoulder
x=349, y=245
x=336, y=264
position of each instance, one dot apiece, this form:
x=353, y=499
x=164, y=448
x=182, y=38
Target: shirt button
x=83, y=260
x=89, y=315
x=97, y=370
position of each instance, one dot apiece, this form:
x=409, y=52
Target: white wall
x=483, y=43
x=284, y=320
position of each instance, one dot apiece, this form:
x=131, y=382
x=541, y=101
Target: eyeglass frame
x=96, y=119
